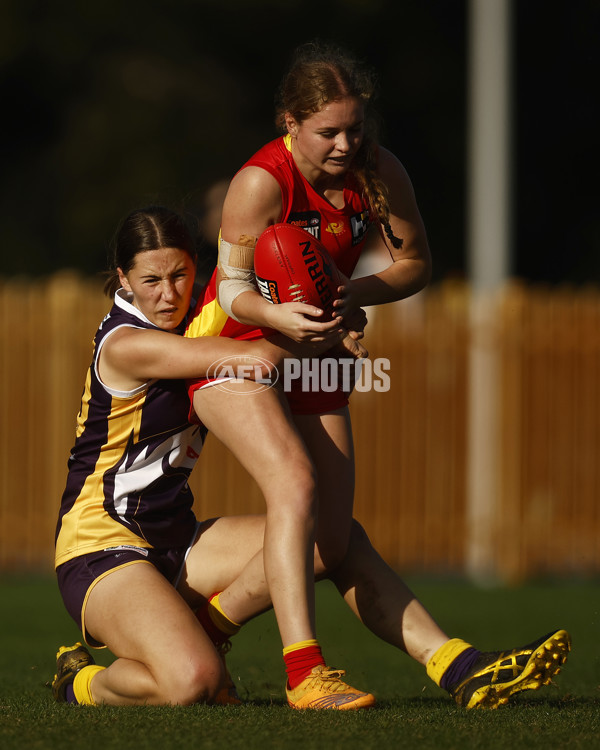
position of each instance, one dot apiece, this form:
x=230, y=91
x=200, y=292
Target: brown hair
x=321, y=73
x=151, y=228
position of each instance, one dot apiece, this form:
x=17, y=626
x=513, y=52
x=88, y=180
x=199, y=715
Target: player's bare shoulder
x=391, y=170
x=401, y=197
x=253, y=201
x=117, y=360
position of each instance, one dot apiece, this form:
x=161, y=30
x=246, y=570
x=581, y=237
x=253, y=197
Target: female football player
x=328, y=175
x=126, y=517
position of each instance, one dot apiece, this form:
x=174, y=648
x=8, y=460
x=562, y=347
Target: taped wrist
x=236, y=266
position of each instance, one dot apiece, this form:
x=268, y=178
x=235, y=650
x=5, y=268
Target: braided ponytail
x=374, y=190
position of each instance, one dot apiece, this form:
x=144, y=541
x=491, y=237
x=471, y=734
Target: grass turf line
x=411, y=711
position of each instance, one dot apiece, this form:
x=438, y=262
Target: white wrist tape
x=236, y=266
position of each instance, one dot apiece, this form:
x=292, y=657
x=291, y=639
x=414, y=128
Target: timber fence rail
x=416, y=485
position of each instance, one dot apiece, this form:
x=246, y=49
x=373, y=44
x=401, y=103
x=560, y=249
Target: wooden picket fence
x=423, y=456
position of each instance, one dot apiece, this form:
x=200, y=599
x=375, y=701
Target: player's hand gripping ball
x=292, y=266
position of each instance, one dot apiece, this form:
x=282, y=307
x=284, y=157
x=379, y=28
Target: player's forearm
x=250, y=308
x=400, y=280
x=195, y=358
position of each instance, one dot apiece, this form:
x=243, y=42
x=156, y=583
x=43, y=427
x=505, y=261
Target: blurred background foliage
x=109, y=106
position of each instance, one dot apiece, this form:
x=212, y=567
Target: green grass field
x=411, y=711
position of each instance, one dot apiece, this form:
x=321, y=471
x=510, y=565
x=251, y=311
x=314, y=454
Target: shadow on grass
x=441, y=703
x=429, y=703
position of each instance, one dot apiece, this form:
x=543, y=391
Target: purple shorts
x=77, y=577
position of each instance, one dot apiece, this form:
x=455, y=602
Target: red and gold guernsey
x=342, y=231
x=128, y=471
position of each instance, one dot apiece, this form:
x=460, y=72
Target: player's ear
x=123, y=280
x=291, y=124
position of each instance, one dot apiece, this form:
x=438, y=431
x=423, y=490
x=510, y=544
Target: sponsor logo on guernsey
x=359, y=224
x=336, y=227
x=308, y=220
x=311, y=222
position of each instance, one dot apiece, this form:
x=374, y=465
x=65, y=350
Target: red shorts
x=300, y=401
x=318, y=402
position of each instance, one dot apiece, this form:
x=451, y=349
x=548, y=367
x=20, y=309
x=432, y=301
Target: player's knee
x=197, y=682
x=303, y=497
x=203, y=686
x=304, y=477
x=295, y=491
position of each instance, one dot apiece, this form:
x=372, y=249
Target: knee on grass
x=192, y=681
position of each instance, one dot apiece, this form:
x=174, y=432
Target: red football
x=293, y=266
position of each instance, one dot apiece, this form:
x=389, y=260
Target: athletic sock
x=217, y=624
x=82, y=692
x=300, y=659
x=451, y=663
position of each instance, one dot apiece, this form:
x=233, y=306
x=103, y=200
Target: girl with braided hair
x=323, y=74
x=328, y=175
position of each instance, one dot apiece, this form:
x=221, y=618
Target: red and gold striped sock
x=300, y=659
x=217, y=624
